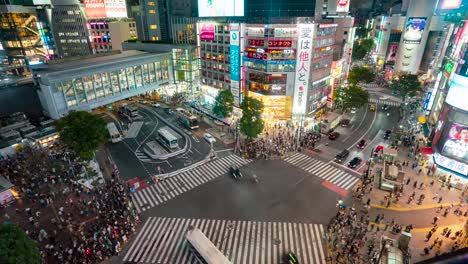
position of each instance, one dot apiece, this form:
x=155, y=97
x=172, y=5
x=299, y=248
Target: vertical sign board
x=304, y=55
x=235, y=63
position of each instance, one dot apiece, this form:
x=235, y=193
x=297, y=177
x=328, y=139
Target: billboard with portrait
x=342, y=6
x=220, y=8
x=414, y=29
x=456, y=142
x=458, y=92
x=450, y=4
x=392, y=53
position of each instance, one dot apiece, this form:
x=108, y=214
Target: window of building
x=154, y=27
x=152, y=11
x=151, y=3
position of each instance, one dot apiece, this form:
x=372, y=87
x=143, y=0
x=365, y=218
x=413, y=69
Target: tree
x=361, y=48
x=83, y=132
x=353, y=96
x=361, y=74
x=224, y=103
x=406, y=85
x=251, y=123
x=16, y=247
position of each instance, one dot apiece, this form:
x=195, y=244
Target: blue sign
x=426, y=102
x=235, y=55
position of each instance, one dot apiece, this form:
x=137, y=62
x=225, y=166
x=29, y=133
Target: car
x=387, y=135
x=361, y=144
x=340, y=157
x=353, y=110
x=235, y=172
x=378, y=150
x=372, y=107
x=333, y=135
x=385, y=107
x=354, y=162
x=168, y=111
x=156, y=105
x=344, y=122
x=208, y=137
x=290, y=258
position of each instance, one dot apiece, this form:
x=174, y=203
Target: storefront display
x=276, y=106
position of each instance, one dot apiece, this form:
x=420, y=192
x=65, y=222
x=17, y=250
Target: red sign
x=257, y=56
x=279, y=43
x=95, y=8
x=256, y=42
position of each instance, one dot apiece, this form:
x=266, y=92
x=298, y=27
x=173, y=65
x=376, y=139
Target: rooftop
x=94, y=62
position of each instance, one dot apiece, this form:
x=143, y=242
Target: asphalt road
x=130, y=158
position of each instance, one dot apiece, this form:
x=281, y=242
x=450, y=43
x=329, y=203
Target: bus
x=187, y=119
x=130, y=112
x=114, y=133
x=203, y=248
x=167, y=139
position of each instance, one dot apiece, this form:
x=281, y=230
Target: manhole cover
x=276, y=241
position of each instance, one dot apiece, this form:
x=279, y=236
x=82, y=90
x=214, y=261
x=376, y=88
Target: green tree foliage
x=83, y=132
x=251, y=123
x=16, y=247
x=361, y=74
x=361, y=48
x=224, y=103
x=406, y=85
x=353, y=96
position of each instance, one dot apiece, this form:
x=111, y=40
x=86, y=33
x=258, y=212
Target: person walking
x=436, y=218
x=415, y=184
x=447, y=235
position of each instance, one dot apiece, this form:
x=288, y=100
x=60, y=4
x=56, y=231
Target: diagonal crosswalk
x=163, y=191
x=323, y=170
x=162, y=240
x=382, y=102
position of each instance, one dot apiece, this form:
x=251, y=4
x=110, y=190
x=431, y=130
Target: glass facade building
x=91, y=83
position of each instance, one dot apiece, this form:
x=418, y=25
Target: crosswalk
x=323, y=170
x=142, y=156
x=163, y=191
x=162, y=240
x=382, y=102
x=134, y=129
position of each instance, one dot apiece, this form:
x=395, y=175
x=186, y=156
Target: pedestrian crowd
x=71, y=223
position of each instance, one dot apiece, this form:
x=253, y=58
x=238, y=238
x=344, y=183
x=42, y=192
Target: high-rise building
x=107, y=34
x=69, y=28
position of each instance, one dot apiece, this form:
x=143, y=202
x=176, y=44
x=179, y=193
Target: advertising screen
x=220, y=8
x=456, y=142
x=342, y=6
x=458, y=92
x=392, y=53
x=304, y=56
x=105, y=8
x=207, y=31
x=450, y=4
x=414, y=29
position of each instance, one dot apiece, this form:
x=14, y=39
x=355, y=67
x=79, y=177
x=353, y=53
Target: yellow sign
x=422, y=119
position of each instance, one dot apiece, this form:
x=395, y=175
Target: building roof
x=85, y=66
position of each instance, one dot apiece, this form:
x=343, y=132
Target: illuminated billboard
x=207, y=32
x=450, y=4
x=414, y=29
x=456, y=142
x=105, y=8
x=304, y=56
x=220, y=8
x=342, y=6
x=458, y=92
x=392, y=53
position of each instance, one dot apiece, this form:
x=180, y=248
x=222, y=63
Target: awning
x=426, y=150
x=425, y=129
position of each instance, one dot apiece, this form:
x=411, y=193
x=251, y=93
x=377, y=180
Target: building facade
x=290, y=74
x=108, y=35
x=90, y=83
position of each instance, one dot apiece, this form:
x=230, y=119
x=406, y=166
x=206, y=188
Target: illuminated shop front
x=277, y=107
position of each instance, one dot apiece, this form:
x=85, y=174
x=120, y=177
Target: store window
x=88, y=86
x=138, y=78
x=69, y=93
x=130, y=78
x=146, y=78
x=106, y=84
x=80, y=93
x=115, y=82
x=152, y=75
x=123, y=80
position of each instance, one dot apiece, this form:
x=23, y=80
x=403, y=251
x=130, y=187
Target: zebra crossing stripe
x=172, y=187
x=323, y=170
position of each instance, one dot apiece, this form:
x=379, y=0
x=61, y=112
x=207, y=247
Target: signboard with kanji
x=304, y=54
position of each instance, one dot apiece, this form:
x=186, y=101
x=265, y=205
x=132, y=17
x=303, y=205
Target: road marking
x=352, y=132
x=162, y=240
x=367, y=131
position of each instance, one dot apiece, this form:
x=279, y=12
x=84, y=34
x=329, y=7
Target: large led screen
x=414, y=29
x=458, y=92
x=456, y=142
x=220, y=8
x=105, y=8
